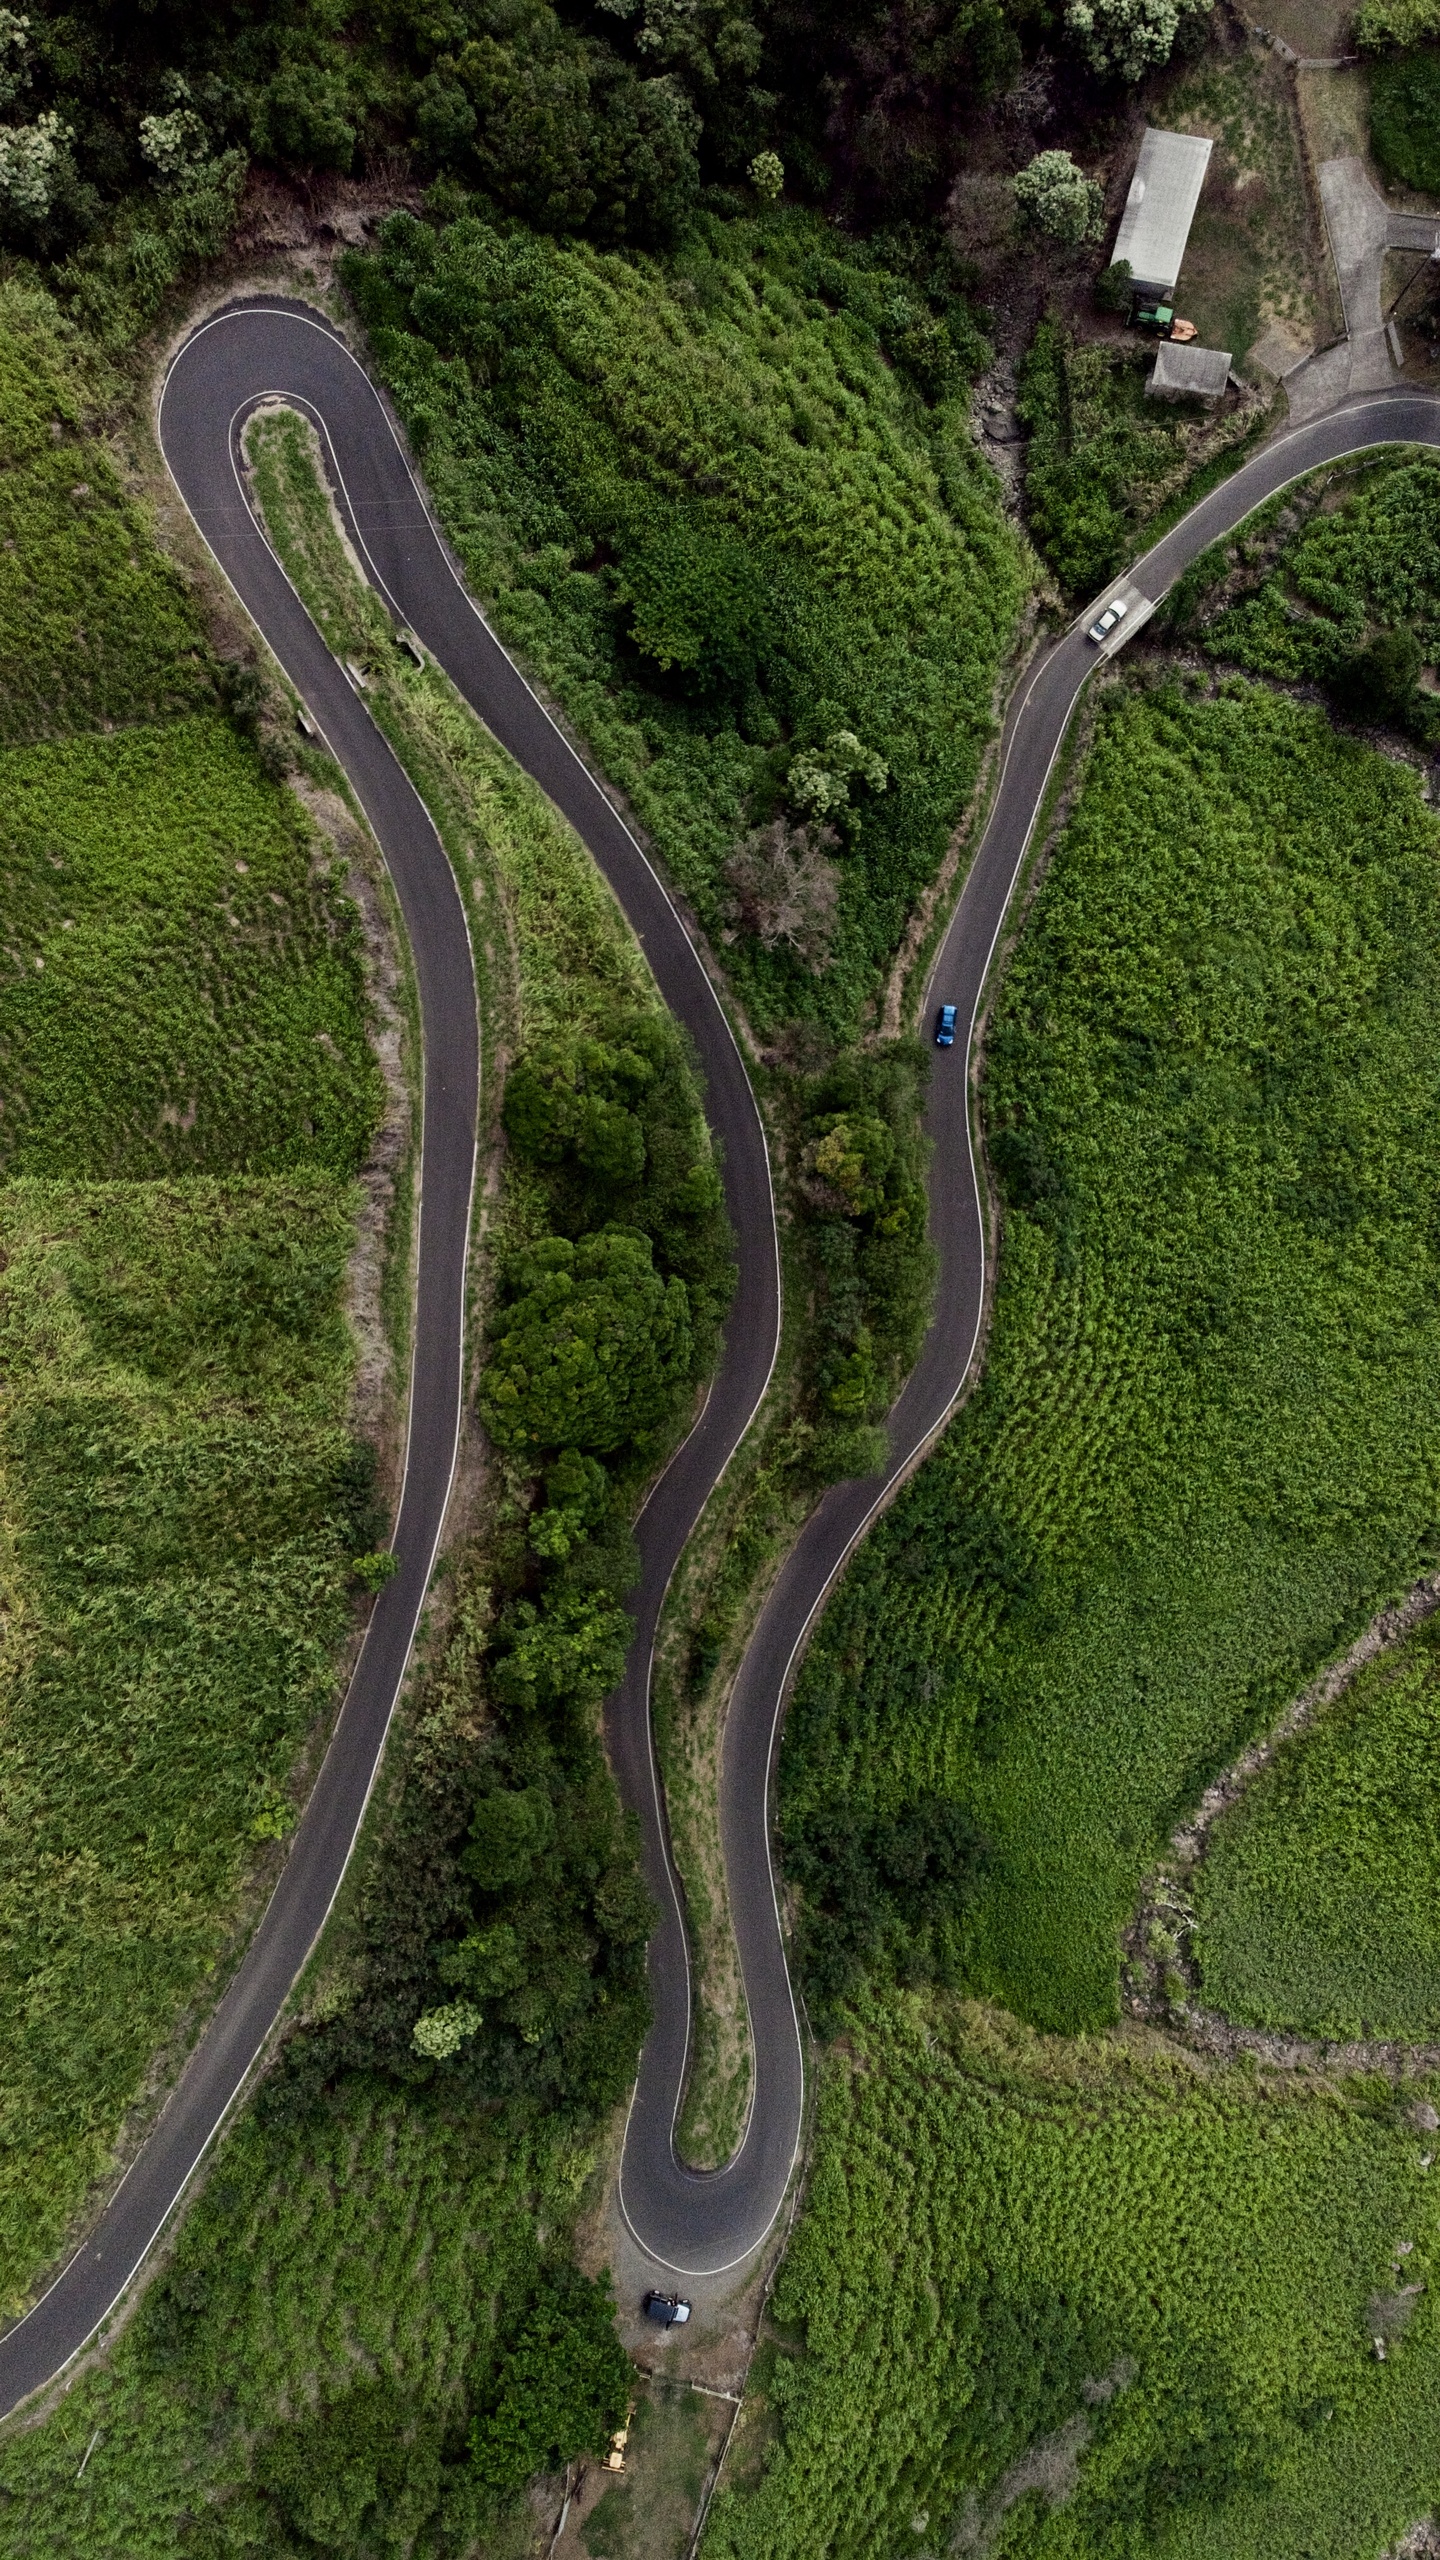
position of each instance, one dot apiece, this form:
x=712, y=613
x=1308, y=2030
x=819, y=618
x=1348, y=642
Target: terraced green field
x=186, y=1092
x=1092, y=2301
x=1203, y=1448
x=1316, y=1901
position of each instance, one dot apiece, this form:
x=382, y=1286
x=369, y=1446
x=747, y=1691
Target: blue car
x=945, y=1027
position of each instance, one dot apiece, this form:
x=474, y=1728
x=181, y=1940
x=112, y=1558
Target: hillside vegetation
x=730, y=510
x=1316, y=1900
x=186, y=1091
x=373, y=2333
x=1338, y=583
x=1091, y=2301
x=1201, y=1452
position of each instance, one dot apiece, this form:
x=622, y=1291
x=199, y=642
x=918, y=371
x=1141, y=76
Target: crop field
x=1202, y=1451
x=1316, y=1899
x=177, y=992
x=729, y=535
x=1318, y=571
x=186, y=1091
x=181, y=1500
x=1092, y=2300
x=94, y=624
x=302, y=2372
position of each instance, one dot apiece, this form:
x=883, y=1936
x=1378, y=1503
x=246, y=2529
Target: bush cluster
x=1405, y=115
x=872, y=1266
x=1342, y=594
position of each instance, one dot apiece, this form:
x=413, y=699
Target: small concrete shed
x=1160, y=207
x=1188, y=373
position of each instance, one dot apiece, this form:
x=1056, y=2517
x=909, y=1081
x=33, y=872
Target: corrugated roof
x=1202, y=371
x=1160, y=207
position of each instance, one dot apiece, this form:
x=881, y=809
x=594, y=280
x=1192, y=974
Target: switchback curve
x=685, y=2221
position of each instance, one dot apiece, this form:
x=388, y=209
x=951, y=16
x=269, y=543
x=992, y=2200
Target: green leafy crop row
x=1202, y=1450
x=1316, y=1903
x=1090, y=2302
x=181, y=1501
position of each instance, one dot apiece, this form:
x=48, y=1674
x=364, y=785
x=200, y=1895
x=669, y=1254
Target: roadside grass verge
x=1315, y=1902
x=1200, y=1455
x=1084, y=2299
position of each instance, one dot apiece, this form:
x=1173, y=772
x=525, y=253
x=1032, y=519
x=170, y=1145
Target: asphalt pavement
x=686, y=2223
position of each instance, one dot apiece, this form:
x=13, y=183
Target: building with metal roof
x=1194, y=373
x=1160, y=207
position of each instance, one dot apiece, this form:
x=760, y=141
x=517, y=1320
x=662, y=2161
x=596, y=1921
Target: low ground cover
x=182, y=987
x=1200, y=1454
x=181, y=1501
x=94, y=624
x=1336, y=583
x=731, y=512
x=1405, y=118
x=1316, y=1899
x=1092, y=2299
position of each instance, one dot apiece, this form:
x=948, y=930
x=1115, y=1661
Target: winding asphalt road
x=683, y=2221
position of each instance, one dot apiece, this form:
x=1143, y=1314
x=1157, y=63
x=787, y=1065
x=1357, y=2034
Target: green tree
x=563, y=2388
x=592, y=1350
x=1123, y=39
x=1059, y=199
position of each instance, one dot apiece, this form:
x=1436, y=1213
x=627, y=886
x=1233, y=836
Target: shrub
x=1113, y=286
x=1124, y=39
x=590, y=1349
x=1405, y=118
x=1382, y=24
x=1059, y=199
x=563, y=2388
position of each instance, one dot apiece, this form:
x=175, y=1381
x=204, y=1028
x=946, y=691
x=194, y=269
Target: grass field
x=95, y=626
x=1316, y=1899
x=181, y=1500
x=730, y=511
x=1095, y=2300
x=1202, y=1451
x=180, y=990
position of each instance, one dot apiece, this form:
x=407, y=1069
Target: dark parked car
x=945, y=1027
x=669, y=2309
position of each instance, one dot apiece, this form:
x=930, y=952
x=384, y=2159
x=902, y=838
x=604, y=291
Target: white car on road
x=1110, y=620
